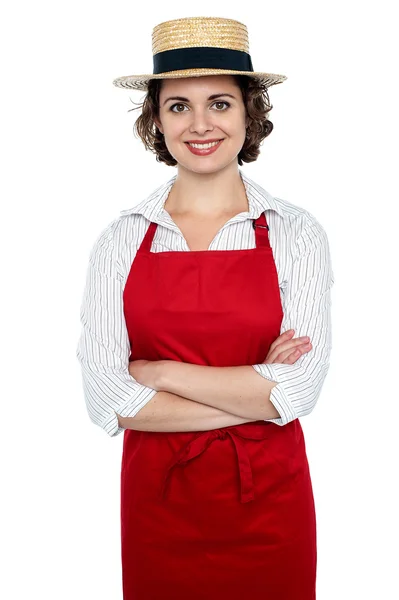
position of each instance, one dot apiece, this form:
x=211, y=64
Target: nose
x=201, y=122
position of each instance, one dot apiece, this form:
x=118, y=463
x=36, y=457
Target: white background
x=71, y=162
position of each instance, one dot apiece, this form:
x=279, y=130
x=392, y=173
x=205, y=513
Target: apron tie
x=200, y=443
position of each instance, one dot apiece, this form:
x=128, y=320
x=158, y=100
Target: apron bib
x=227, y=513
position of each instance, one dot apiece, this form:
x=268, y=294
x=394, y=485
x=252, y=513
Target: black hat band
x=201, y=58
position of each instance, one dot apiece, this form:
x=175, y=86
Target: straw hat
x=198, y=46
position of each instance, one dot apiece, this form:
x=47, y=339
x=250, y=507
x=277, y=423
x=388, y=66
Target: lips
x=204, y=151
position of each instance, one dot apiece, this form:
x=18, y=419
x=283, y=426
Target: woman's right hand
x=286, y=350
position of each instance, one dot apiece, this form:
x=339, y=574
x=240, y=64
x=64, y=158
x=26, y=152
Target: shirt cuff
x=128, y=409
x=278, y=396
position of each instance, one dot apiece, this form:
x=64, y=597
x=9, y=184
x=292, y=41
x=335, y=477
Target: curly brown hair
x=256, y=100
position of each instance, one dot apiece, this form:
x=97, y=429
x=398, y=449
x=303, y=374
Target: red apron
x=227, y=513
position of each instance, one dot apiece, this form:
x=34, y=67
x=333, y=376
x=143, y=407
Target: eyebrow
x=212, y=97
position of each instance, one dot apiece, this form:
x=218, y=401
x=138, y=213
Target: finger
x=282, y=338
x=302, y=349
x=284, y=348
x=292, y=358
x=281, y=343
x=280, y=357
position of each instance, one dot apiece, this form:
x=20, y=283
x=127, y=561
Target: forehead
x=209, y=84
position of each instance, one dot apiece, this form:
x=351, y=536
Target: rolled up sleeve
x=103, y=348
x=307, y=309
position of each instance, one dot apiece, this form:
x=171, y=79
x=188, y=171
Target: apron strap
x=261, y=231
x=145, y=245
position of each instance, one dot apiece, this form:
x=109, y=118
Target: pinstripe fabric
x=302, y=257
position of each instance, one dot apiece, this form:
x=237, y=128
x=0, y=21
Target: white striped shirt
x=301, y=253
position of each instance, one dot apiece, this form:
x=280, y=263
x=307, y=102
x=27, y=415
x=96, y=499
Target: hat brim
x=140, y=82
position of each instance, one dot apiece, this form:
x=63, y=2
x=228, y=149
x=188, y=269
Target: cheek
x=233, y=127
x=238, y=133
x=175, y=130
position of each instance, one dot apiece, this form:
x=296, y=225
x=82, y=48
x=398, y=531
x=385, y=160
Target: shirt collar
x=152, y=207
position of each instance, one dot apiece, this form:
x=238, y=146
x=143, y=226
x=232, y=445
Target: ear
x=158, y=124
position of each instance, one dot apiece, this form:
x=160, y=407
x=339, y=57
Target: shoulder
x=292, y=213
x=295, y=230
x=131, y=222
x=304, y=227
x=297, y=222
x=309, y=240
x=305, y=240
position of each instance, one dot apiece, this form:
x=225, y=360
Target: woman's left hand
x=146, y=372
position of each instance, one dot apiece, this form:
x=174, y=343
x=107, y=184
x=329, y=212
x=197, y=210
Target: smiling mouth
x=204, y=146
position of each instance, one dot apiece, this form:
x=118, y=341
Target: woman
x=216, y=494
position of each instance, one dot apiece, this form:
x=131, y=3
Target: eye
x=173, y=105
x=217, y=102
x=223, y=102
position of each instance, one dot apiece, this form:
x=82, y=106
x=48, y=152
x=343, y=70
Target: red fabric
x=226, y=513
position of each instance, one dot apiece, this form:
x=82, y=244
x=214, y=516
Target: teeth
x=203, y=146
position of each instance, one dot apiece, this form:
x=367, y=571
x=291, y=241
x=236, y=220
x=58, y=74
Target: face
x=201, y=110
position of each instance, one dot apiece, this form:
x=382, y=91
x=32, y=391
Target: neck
x=207, y=194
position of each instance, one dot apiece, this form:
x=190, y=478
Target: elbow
x=110, y=423
x=308, y=406
x=113, y=425
x=306, y=409
x=291, y=400
x=314, y=367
